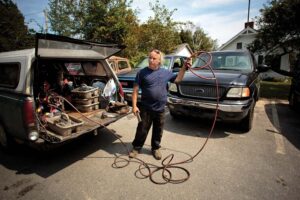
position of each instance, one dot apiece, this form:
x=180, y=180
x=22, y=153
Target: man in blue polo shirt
x=153, y=82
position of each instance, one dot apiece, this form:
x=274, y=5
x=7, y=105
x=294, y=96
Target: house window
x=239, y=45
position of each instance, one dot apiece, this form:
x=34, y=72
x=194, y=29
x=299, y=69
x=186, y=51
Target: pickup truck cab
x=82, y=88
x=119, y=64
x=236, y=75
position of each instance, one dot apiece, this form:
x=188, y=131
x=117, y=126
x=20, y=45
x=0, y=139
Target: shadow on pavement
x=26, y=160
x=200, y=127
x=289, y=122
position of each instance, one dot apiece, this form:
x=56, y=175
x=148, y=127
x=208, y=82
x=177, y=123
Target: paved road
x=261, y=164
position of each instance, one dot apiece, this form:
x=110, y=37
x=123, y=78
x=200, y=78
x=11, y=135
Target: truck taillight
x=121, y=92
x=28, y=112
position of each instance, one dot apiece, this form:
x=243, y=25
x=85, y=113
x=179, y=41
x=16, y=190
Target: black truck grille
x=200, y=91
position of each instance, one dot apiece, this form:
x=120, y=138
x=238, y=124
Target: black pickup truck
x=237, y=75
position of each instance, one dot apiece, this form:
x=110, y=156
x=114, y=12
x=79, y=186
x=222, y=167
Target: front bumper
x=227, y=110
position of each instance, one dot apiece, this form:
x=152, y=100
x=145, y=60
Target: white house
x=242, y=39
x=247, y=36
x=183, y=50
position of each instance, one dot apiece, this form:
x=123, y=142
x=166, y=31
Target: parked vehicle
x=120, y=65
x=294, y=95
x=171, y=62
x=238, y=88
x=37, y=84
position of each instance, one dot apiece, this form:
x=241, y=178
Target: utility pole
x=46, y=20
x=248, y=11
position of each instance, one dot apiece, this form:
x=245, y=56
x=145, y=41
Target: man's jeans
x=148, y=118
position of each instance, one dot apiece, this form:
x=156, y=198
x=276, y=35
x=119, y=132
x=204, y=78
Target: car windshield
x=145, y=63
x=142, y=64
x=167, y=62
x=239, y=61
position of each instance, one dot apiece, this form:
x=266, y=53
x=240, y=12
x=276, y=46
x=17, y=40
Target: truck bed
x=92, y=121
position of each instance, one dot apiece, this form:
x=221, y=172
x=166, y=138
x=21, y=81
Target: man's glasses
x=156, y=51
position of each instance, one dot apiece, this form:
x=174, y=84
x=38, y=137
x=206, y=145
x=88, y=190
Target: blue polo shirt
x=153, y=84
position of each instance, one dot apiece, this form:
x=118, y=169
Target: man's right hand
x=135, y=92
x=135, y=110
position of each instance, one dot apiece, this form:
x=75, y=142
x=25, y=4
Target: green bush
x=277, y=79
x=275, y=89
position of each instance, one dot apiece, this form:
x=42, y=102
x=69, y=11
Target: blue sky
x=220, y=19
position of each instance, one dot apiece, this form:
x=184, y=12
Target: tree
x=186, y=36
x=186, y=33
x=197, y=38
x=102, y=21
x=160, y=31
x=278, y=27
x=64, y=17
x=109, y=21
x=202, y=41
x=14, y=33
x=113, y=21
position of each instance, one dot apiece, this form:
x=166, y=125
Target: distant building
x=183, y=50
x=242, y=39
x=246, y=37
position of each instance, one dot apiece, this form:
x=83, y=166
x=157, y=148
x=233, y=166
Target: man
x=153, y=82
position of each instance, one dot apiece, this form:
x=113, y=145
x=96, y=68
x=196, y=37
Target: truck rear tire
x=5, y=140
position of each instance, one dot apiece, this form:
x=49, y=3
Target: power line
x=33, y=13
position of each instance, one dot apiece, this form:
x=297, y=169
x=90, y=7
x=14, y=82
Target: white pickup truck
x=85, y=92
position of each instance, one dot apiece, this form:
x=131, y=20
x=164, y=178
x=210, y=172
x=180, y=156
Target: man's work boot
x=156, y=154
x=133, y=153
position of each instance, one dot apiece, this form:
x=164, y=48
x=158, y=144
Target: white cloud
x=196, y=4
x=220, y=19
x=213, y=16
x=217, y=26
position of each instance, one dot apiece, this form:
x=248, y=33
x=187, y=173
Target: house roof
x=182, y=47
x=246, y=31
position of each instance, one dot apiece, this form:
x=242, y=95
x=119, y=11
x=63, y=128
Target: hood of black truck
x=228, y=77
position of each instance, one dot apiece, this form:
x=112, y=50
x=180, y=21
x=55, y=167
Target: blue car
x=171, y=62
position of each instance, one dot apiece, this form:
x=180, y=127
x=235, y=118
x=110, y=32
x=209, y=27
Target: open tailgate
x=58, y=47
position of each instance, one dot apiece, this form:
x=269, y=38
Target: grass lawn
x=275, y=90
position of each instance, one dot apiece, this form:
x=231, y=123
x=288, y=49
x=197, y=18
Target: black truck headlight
x=173, y=87
x=238, y=92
